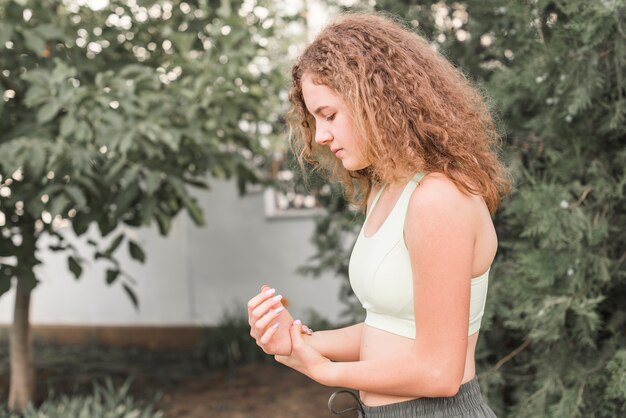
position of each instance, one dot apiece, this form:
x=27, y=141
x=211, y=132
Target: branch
x=507, y=358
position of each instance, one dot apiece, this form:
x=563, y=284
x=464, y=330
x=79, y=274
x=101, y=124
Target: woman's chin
x=352, y=166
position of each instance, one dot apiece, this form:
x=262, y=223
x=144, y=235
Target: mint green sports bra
x=381, y=276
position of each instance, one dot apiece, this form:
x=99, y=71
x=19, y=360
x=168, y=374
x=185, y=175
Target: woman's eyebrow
x=319, y=109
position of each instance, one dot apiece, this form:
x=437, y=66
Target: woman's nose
x=322, y=136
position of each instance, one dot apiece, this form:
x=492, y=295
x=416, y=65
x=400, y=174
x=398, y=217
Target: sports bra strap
x=416, y=178
x=371, y=208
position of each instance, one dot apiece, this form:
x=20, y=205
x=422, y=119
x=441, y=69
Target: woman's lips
x=337, y=151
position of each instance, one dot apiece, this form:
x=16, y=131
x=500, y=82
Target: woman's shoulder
x=438, y=193
x=439, y=186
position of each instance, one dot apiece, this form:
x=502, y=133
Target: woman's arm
x=440, y=234
x=343, y=344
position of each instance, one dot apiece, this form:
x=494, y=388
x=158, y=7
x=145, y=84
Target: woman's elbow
x=449, y=390
x=447, y=383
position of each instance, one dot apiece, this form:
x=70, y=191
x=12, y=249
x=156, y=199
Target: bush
x=105, y=402
x=229, y=344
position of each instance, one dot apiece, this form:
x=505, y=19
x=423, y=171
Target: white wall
x=191, y=276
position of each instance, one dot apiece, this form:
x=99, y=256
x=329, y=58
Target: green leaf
x=126, y=198
x=36, y=161
x=147, y=210
x=131, y=294
x=115, y=171
x=49, y=31
x=58, y=204
x=76, y=195
x=183, y=41
x=225, y=9
x=152, y=181
x=112, y=276
x=88, y=184
x=68, y=125
x=107, y=225
x=116, y=243
x=201, y=184
x=33, y=41
x=194, y=211
x=136, y=251
x=74, y=266
x=125, y=143
x=164, y=222
x=80, y=224
x=47, y=112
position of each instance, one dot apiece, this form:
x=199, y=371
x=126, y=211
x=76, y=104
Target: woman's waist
x=378, y=344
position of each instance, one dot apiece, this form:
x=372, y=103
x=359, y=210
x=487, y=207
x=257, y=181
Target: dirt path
x=254, y=391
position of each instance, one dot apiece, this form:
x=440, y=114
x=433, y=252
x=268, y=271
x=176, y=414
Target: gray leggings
x=467, y=403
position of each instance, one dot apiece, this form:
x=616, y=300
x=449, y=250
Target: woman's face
x=334, y=126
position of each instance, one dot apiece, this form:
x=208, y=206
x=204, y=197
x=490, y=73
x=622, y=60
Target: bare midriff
x=380, y=344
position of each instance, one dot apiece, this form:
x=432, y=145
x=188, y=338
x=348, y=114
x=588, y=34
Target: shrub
x=229, y=344
x=106, y=401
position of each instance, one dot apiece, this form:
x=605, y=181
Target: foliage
x=228, y=344
x=554, y=329
x=107, y=401
x=109, y=116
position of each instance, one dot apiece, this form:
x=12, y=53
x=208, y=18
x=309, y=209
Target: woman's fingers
x=258, y=299
x=267, y=336
x=265, y=320
x=265, y=307
x=296, y=331
x=259, y=306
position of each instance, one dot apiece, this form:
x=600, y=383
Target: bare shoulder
x=438, y=208
x=439, y=194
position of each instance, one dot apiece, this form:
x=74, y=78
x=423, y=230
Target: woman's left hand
x=305, y=358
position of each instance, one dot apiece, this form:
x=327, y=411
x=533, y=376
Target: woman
x=412, y=142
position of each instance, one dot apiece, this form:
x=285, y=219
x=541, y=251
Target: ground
x=260, y=391
x=187, y=388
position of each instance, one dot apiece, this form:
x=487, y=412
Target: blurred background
x=147, y=191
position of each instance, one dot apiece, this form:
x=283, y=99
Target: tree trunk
x=22, y=371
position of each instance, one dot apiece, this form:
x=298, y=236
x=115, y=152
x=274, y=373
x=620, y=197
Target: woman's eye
x=331, y=117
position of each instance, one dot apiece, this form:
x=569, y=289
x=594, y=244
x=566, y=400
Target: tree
x=554, y=332
x=109, y=116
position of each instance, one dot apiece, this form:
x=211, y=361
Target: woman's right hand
x=270, y=322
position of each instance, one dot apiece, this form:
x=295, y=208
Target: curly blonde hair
x=413, y=109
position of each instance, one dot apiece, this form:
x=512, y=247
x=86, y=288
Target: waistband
x=467, y=398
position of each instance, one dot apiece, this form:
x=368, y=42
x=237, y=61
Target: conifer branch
x=579, y=399
x=583, y=196
x=536, y=22
x=507, y=358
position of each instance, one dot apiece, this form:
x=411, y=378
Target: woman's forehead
x=317, y=94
